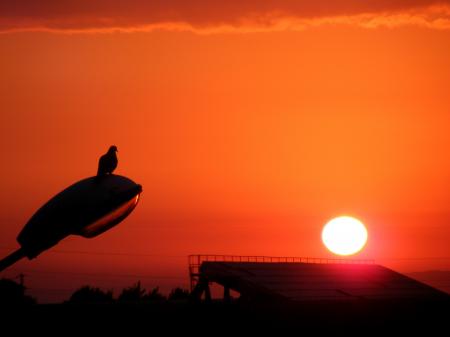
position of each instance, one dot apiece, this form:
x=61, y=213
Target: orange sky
x=246, y=139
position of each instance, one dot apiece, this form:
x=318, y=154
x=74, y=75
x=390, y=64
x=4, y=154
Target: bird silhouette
x=108, y=162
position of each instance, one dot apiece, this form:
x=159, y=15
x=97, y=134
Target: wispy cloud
x=210, y=16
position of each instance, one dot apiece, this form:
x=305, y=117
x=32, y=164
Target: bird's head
x=113, y=149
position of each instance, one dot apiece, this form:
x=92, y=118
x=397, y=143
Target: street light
x=86, y=208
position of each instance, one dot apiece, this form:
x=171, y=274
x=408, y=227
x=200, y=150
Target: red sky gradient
x=249, y=126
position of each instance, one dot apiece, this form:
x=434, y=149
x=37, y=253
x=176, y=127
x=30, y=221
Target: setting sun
x=344, y=235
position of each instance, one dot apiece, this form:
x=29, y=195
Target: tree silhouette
x=87, y=294
x=13, y=293
x=134, y=293
x=178, y=294
x=154, y=295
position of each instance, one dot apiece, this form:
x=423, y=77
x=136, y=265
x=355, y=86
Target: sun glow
x=344, y=235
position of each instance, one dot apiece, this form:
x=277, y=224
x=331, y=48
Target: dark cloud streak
x=199, y=14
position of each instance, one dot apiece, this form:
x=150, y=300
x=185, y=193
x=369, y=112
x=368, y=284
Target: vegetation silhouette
x=88, y=294
x=13, y=293
x=155, y=295
x=136, y=293
x=132, y=294
x=179, y=294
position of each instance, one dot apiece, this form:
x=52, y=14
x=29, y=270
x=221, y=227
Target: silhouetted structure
x=304, y=279
x=108, y=162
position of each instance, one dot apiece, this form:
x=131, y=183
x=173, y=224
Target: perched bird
x=108, y=162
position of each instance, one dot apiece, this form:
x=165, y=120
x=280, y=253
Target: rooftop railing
x=195, y=261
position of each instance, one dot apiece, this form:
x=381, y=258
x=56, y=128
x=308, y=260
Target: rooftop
x=304, y=279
